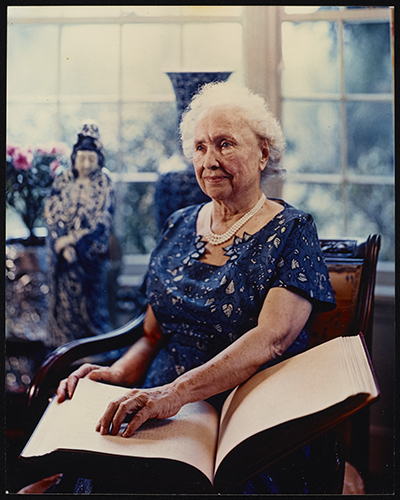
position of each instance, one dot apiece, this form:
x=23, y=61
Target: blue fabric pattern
x=202, y=308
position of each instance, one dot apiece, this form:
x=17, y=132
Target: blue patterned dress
x=202, y=308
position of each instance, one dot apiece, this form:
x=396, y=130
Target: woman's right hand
x=67, y=386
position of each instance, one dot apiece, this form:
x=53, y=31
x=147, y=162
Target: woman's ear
x=264, y=154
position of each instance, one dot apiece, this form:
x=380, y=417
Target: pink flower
x=22, y=159
x=53, y=167
x=11, y=149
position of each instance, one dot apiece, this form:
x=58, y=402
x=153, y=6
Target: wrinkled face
x=86, y=162
x=228, y=156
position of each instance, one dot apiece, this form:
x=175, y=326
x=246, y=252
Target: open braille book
x=199, y=451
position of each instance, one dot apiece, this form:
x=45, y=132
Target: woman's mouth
x=215, y=179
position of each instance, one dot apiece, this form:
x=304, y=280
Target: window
x=326, y=71
x=337, y=114
x=67, y=64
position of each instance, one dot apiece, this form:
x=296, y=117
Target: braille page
x=190, y=436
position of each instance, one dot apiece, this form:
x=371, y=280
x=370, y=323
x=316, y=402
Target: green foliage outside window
x=344, y=135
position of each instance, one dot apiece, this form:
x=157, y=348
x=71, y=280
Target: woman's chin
x=217, y=191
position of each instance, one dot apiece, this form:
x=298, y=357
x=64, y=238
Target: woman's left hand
x=143, y=404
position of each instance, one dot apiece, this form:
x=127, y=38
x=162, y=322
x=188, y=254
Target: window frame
x=262, y=57
x=118, y=176
x=267, y=81
x=262, y=40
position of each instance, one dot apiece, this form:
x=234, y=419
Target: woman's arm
x=125, y=371
x=281, y=319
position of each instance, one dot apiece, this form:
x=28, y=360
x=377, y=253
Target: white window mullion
x=58, y=103
x=263, y=53
x=134, y=177
x=119, y=111
x=343, y=130
x=181, y=51
x=372, y=14
x=125, y=20
x=314, y=178
x=337, y=97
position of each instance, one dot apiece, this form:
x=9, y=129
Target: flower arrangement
x=29, y=175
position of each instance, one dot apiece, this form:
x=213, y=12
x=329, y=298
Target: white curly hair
x=256, y=110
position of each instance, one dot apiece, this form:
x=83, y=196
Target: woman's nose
x=211, y=160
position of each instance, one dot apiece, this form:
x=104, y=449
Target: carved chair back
x=352, y=270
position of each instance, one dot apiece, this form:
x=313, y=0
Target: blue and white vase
x=177, y=186
x=187, y=83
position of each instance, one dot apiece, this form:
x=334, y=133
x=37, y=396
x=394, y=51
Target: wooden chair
x=352, y=269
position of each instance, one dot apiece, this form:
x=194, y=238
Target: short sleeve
x=301, y=267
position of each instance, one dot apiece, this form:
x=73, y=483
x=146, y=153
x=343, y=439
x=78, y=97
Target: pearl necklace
x=218, y=239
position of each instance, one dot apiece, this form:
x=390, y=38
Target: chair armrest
x=49, y=373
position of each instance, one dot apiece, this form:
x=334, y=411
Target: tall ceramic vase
x=177, y=186
x=187, y=83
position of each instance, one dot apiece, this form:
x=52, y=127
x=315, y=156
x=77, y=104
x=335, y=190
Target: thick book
x=199, y=451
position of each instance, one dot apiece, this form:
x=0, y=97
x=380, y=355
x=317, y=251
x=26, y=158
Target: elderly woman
x=79, y=214
x=231, y=283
